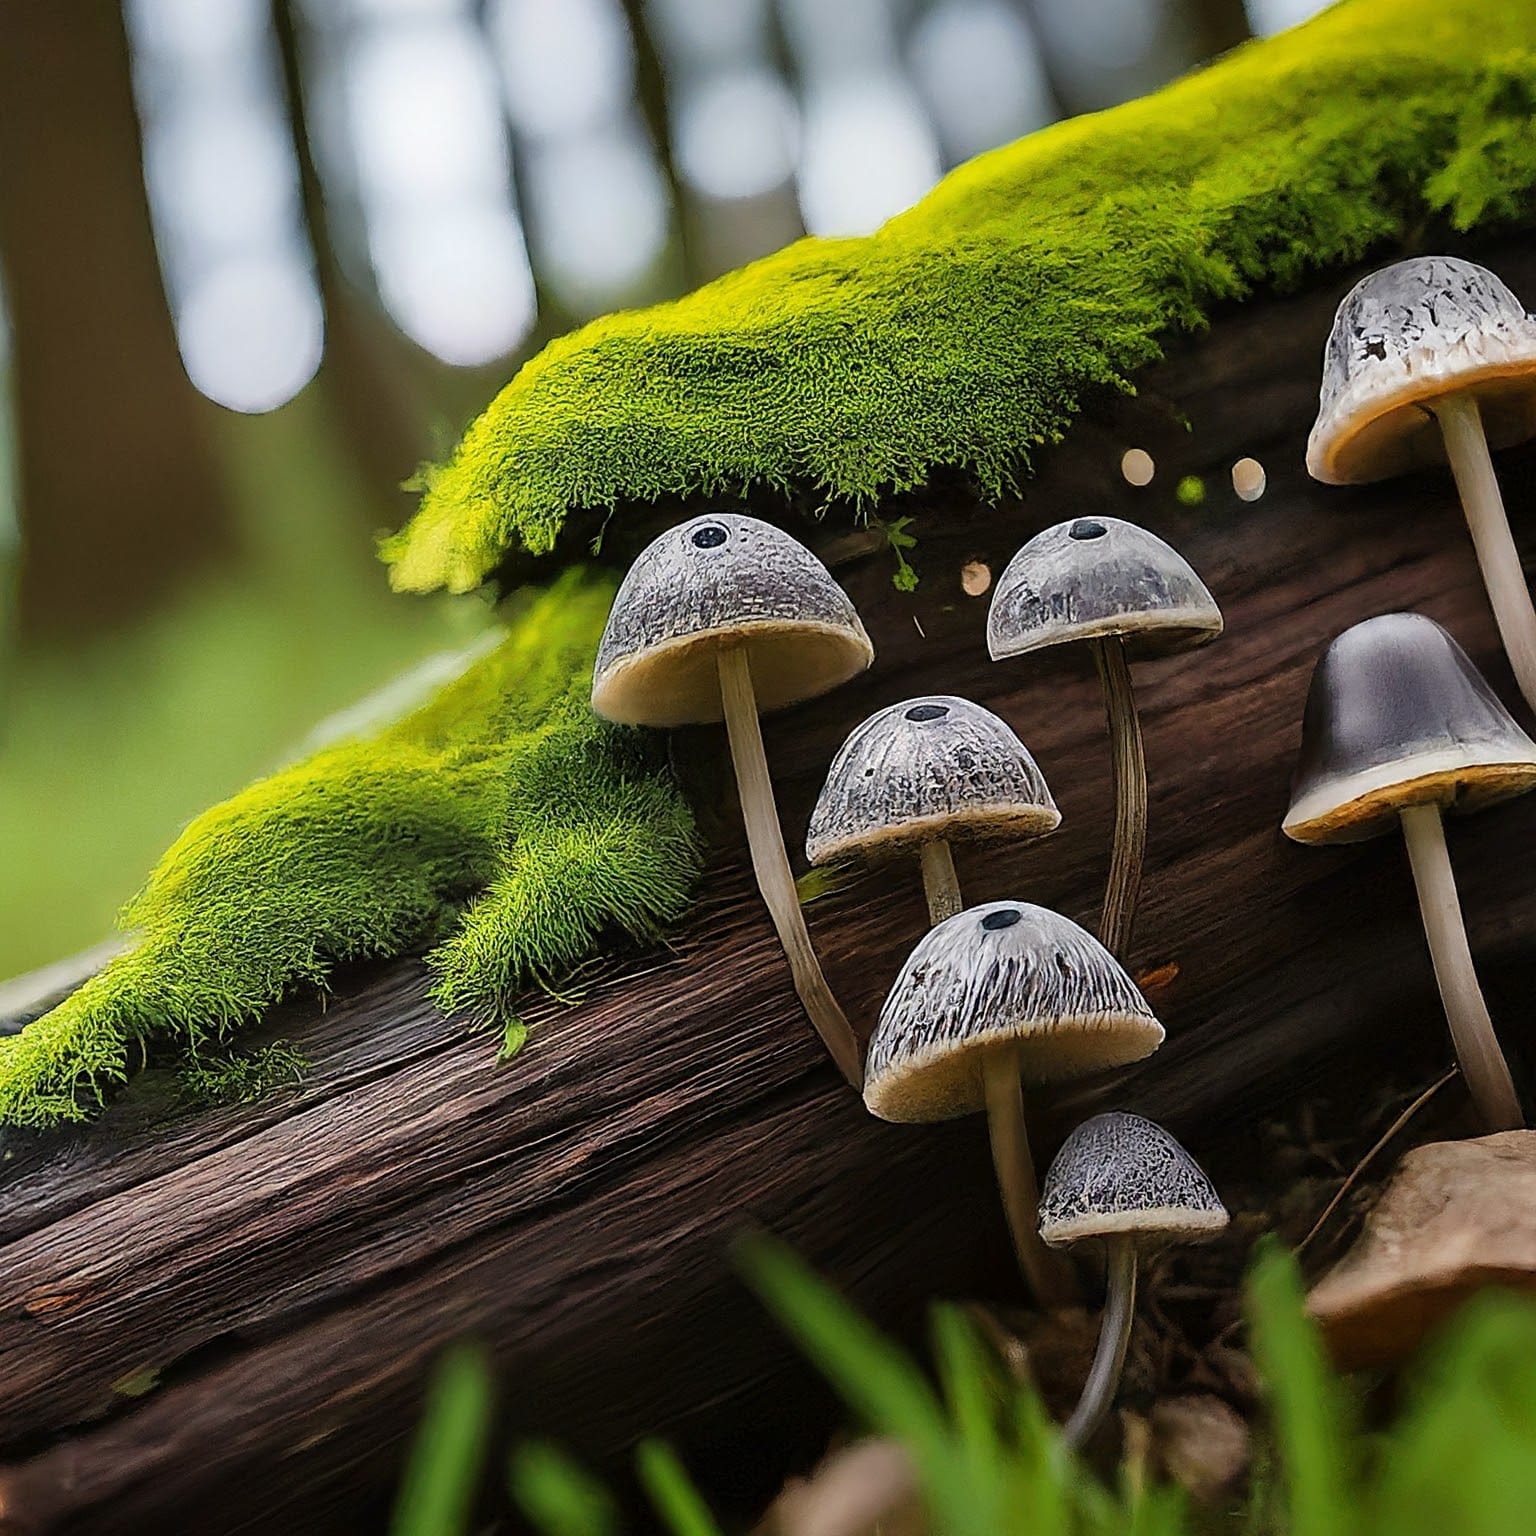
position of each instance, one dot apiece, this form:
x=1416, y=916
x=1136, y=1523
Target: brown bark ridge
x=221, y=1321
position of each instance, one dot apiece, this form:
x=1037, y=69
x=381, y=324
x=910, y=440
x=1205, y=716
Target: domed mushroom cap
x=938, y=766
x=1003, y=974
x=1397, y=715
x=1120, y=1175
x=1404, y=335
x=1099, y=576
x=723, y=579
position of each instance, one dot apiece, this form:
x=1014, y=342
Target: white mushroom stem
x=1466, y=446
x=941, y=885
x=1130, y=764
x=770, y=863
x=1477, y=1047
x=1047, y=1273
x=1114, y=1336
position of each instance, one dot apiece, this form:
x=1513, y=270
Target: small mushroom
x=1126, y=593
x=998, y=991
x=1125, y=1182
x=921, y=773
x=1429, y=360
x=720, y=618
x=1399, y=726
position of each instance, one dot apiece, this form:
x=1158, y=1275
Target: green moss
x=966, y=332
x=243, y=1077
x=505, y=792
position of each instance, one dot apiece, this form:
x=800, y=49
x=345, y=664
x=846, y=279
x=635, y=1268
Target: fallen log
x=221, y=1320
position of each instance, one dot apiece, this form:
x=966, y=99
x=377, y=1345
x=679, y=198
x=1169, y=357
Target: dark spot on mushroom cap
x=927, y=711
x=1087, y=528
x=1004, y=919
x=711, y=536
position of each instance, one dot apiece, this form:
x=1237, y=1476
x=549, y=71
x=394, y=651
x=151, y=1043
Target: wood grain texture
x=289, y=1269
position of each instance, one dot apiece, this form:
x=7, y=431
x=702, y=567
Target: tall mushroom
x=1000, y=991
x=1400, y=726
x=1124, y=1182
x=1434, y=359
x=719, y=618
x=920, y=774
x=1127, y=593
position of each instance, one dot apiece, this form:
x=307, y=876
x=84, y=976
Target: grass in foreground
x=1458, y=1459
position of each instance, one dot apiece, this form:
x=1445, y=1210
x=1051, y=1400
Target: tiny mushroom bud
x=921, y=773
x=1127, y=593
x=1399, y=726
x=995, y=992
x=1430, y=360
x=719, y=618
x=1123, y=1181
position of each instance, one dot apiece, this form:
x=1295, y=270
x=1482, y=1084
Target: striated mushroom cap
x=926, y=768
x=1413, y=331
x=1099, y=576
x=723, y=579
x=1120, y=1175
x=1006, y=974
x=1397, y=715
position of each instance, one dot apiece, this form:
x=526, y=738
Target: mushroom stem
x=1047, y=1273
x=1477, y=1047
x=1114, y=1336
x=1466, y=446
x=1119, y=913
x=770, y=863
x=941, y=885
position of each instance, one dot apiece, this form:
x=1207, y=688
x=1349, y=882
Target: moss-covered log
x=221, y=1320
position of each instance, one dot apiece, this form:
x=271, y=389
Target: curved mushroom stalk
x=770, y=862
x=1128, y=856
x=1466, y=446
x=1477, y=1046
x=941, y=885
x=1109, y=1355
x=1048, y=1275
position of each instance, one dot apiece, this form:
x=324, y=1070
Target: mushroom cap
x=723, y=579
x=1118, y=1175
x=1093, y=577
x=1413, y=331
x=1397, y=715
x=1004, y=975
x=937, y=766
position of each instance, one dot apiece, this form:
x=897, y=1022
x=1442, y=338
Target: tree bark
x=120, y=497
x=272, y=1281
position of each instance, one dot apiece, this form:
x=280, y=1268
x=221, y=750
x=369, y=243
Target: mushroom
x=1126, y=593
x=920, y=773
x=1433, y=359
x=722, y=617
x=1123, y=1181
x=1000, y=990
x=1399, y=726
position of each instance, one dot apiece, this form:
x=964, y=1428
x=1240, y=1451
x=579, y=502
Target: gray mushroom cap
x=1095, y=577
x=1398, y=715
x=1004, y=975
x=934, y=767
x=723, y=579
x=1118, y=1175
x=1413, y=331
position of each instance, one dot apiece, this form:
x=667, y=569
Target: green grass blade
x=674, y=1498
x=559, y=1496
x=442, y=1476
x=1305, y=1400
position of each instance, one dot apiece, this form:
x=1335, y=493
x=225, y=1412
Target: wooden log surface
x=221, y=1321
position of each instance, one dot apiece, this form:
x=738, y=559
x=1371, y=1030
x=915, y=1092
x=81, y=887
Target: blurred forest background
x=259, y=259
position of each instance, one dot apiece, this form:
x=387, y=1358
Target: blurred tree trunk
x=119, y=497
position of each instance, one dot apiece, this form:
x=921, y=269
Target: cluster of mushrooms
x=727, y=617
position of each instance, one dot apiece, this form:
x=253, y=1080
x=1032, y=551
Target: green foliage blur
x=110, y=746
x=1459, y=1456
